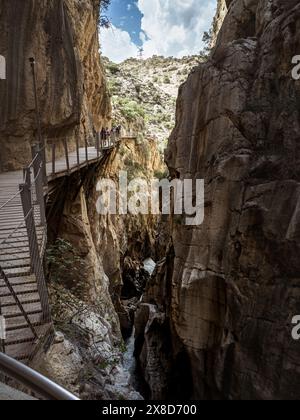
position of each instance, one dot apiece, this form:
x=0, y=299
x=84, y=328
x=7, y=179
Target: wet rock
x=87, y=357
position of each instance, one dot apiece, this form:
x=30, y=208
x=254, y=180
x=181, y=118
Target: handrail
x=33, y=219
x=17, y=300
x=34, y=380
x=9, y=200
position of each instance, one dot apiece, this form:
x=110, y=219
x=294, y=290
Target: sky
x=161, y=27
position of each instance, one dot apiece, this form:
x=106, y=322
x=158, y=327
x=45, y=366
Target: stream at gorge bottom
x=131, y=366
x=130, y=363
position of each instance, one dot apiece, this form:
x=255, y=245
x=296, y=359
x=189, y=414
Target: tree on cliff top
x=104, y=21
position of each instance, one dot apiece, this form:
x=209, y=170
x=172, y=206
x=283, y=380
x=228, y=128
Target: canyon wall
x=91, y=259
x=86, y=252
x=216, y=320
x=62, y=36
x=218, y=21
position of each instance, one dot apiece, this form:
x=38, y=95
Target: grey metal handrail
x=34, y=380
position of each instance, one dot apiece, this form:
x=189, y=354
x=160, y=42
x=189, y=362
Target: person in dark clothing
x=107, y=137
x=118, y=130
x=102, y=134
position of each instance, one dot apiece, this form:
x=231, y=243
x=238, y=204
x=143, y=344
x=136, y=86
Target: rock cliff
x=92, y=259
x=144, y=93
x=221, y=303
x=62, y=35
x=218, y=21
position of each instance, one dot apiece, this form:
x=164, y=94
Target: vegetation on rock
x=144, y=93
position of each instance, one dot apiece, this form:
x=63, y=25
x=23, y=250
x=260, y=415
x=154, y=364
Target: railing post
x=77, y=151
x=67, y=155
x=39, y=184
x=2, y=331
x=36, y=150
x=27, y=208
x=35, y=258
x=39, y=187
x=41, y=141
x=53, y=158
x=27, y=177
x=98, y=144
x=86, y=150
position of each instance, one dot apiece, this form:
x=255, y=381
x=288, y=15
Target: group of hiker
x=107, y=134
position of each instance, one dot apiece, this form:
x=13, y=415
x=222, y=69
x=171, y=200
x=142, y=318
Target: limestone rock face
x=86, y=305
x=148, y=88
x=218, y=21
x=62, y=36
x=231, y=286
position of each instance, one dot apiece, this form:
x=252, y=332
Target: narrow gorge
x=216, y=320
x=143, y=305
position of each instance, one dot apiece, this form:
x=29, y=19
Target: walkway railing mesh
x=23, y=224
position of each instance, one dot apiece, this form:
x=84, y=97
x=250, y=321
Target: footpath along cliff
x=62, y=36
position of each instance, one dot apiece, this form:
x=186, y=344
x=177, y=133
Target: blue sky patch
x=171, y=28
x=125, y=15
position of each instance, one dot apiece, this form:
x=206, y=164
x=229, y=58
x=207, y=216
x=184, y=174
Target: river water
x=129, y=361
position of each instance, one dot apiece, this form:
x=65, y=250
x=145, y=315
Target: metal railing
x=33, y=380
x=27, y=231
x=12, y=244
x=23, y=241
x=108, y=141
x=33, y=203
x=23, y=234
x=18, y=303
x=82, y=154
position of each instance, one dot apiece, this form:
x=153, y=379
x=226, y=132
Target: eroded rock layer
x=62, y=36
x=221, y=304
x=91, y=259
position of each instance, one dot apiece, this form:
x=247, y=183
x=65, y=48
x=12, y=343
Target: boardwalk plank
x=15, y=256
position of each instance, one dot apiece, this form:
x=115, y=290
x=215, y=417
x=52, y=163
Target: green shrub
x=113, y=68
x=65, y=266
x=134, y=169
x=131, y=110
x=114, y=87
x=161, y=174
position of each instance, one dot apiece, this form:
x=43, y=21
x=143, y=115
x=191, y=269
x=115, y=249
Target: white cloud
x=169, y=28
x=175, y=28
x=117, y=45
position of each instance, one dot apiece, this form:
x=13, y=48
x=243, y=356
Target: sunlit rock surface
x=223, y=301
x=62, y=36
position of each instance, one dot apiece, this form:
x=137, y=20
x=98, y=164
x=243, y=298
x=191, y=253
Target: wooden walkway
x=15, y=261
x=21, y=296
